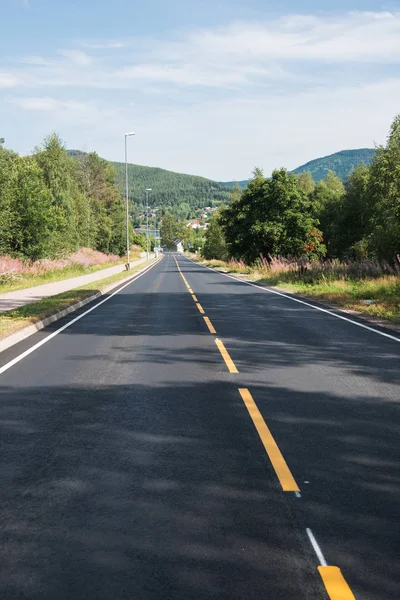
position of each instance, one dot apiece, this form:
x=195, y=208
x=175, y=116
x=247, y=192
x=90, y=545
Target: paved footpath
x=17, y=298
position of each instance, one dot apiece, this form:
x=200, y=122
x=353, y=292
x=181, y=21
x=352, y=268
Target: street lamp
x=147, y=221
x=127, y=198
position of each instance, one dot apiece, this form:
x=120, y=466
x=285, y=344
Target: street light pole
x=127, y=199
x=147, y=221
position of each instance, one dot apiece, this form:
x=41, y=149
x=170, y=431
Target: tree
x=33, y=211
x=271, y=217
x=103, y=212
x=8, y=217
x=57, y=169
x=354, y=215
x=327, y=205
x=169, y=230
x=215, y=243
x=384, y=195
x=306, y=183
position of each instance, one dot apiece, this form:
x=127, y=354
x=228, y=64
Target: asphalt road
x=130, y=466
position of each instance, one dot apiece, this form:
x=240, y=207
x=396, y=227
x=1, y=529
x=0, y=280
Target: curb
x=26, y=332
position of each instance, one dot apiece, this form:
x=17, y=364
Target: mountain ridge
x=342, y=163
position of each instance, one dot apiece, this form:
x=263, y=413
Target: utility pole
x=147, y=221
x=127, y=200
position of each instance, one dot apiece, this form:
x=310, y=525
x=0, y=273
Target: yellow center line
x=284, y=475
x=228, y=361
x=201, y=309
x=209, y=325
x=335, y=584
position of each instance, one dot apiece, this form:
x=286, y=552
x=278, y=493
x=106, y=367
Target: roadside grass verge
x=375, y=296
x=14, y=320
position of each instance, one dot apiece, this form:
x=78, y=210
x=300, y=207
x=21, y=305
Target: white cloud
x=237, y=96
x=358, y=37
x=7, y=80
x=243, y=54
x=77, y=57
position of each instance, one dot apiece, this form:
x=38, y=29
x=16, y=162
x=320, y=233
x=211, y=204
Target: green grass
x=349, y=294
x=13, y=320
x=384, y=293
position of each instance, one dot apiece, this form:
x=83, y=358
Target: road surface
x=131, y=465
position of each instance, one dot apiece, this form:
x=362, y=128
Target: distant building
x=177, y=246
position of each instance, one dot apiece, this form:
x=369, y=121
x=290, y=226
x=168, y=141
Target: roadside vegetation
x=335, y=241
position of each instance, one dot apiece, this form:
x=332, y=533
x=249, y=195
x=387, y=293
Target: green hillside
x=231, y=184
x=342, y=163
x=172, y=192
x=183, y=195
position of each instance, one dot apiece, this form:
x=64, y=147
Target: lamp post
x=127, y=198
x=147, y=221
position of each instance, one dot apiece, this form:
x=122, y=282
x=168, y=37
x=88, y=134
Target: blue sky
x=212, y=88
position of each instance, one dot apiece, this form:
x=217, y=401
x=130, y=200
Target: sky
x=211, y=87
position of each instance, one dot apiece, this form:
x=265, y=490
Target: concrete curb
x=26, y=332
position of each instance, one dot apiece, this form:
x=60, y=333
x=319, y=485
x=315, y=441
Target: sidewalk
x=12, y=300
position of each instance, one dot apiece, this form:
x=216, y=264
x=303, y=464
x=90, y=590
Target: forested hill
x=341, y=163
x=173, y=192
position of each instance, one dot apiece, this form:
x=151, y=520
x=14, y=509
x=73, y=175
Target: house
x=177, y=246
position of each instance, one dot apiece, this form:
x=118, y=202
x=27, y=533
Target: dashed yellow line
x=209, y=325
x=201, y=309
x=335, y=584
x=282, y=471
x=225, y=355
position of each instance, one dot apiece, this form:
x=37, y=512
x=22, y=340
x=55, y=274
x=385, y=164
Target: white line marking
x=18, y=358
x=324, y=310
x=297, y=494
x=316, y=547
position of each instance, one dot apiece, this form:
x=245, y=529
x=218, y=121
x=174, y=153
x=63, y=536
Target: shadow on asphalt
x=164, y=490
x=166, y=493
x=137, y=492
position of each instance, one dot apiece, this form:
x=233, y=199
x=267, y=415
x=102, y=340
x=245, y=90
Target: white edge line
x=20, y=357
x=316, y=547
x=324, y=310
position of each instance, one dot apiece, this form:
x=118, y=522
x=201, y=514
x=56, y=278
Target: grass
x=375, y=297
x=14, y=320
x=378, y=296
